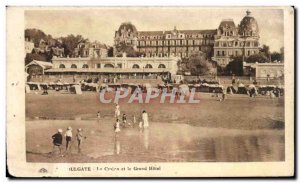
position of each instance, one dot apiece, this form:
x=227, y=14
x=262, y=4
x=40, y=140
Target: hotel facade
x=161, y=50
x=219, y=44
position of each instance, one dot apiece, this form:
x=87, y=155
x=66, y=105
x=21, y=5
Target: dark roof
x=161, y=33
x=227, y=22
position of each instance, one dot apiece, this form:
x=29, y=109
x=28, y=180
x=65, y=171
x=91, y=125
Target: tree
x=275, y=56
x=260, y=58
x=198, y=64
x=35, y=35
x=235, y=66
x=282, y=53
x=70, y=42
x=128, y=49
x=265, y=50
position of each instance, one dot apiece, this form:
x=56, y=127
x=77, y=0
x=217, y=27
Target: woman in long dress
x=117, y=111
x=117, y=127
x=145, y=119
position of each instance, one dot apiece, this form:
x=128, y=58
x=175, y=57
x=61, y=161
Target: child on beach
x=79, y=137
x=57, y=140
x=68, y=136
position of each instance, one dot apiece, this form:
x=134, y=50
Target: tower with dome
x=232, y=40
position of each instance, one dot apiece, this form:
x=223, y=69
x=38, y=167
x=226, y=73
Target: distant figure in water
x=117, y=127
x=134, y=121
x=145, y=119
x=68, y=136
x=141, y=125
x=98, y=116
x=57, y=140
x=117, y=145
x=79, y=137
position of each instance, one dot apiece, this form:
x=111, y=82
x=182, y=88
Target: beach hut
x=34, y=86
x=184, y=89
x=196, y=86
x=242, y=89
x=76, y=89
x=232, y=89
x=44, y=86
x=204, y=87
x=146, y=87
x=27, y=88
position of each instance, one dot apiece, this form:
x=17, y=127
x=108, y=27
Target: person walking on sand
x=145, y=119
x=98, y=117
x=124, y=119
x=117, y=111
x=117, y=127
x=224, y=95
x=79, y=137
x=68, y=136
x=57, y=140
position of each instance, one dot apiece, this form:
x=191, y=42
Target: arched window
x=135, y=66
x=108, y=66
x=74, y=66
x=148, y=66
x=161, y=66
x=62, y=66
x=85, y=66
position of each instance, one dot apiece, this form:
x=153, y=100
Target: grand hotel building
x=218, y=44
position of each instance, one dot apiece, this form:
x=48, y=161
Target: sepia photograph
x=151, y=86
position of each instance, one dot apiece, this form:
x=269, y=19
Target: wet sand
x=238, y=129
x=161, y=142
x=238, y=111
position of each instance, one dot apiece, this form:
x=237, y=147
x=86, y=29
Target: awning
x=106, y=70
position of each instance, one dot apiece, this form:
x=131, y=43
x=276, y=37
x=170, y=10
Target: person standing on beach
x=224, y=94
x=145, y=119
x=68, y=136
x=79, y=137
x=57, y=140
x=117, y=111
x=98, y=118
x=117, y=127
x=124, y=119
x=134, y=121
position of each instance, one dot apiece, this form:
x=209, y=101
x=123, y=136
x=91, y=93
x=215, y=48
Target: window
x=98, y=65
x=161, y=66
x=108, y=66
x=148, y=66
x=62, y=66
x=74, y=66
x=85, y=66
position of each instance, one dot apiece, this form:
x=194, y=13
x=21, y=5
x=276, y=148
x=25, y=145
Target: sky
x=101, y=23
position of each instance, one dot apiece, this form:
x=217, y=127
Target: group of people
x=144, y=123
x=58, y=140
x=58, y=137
